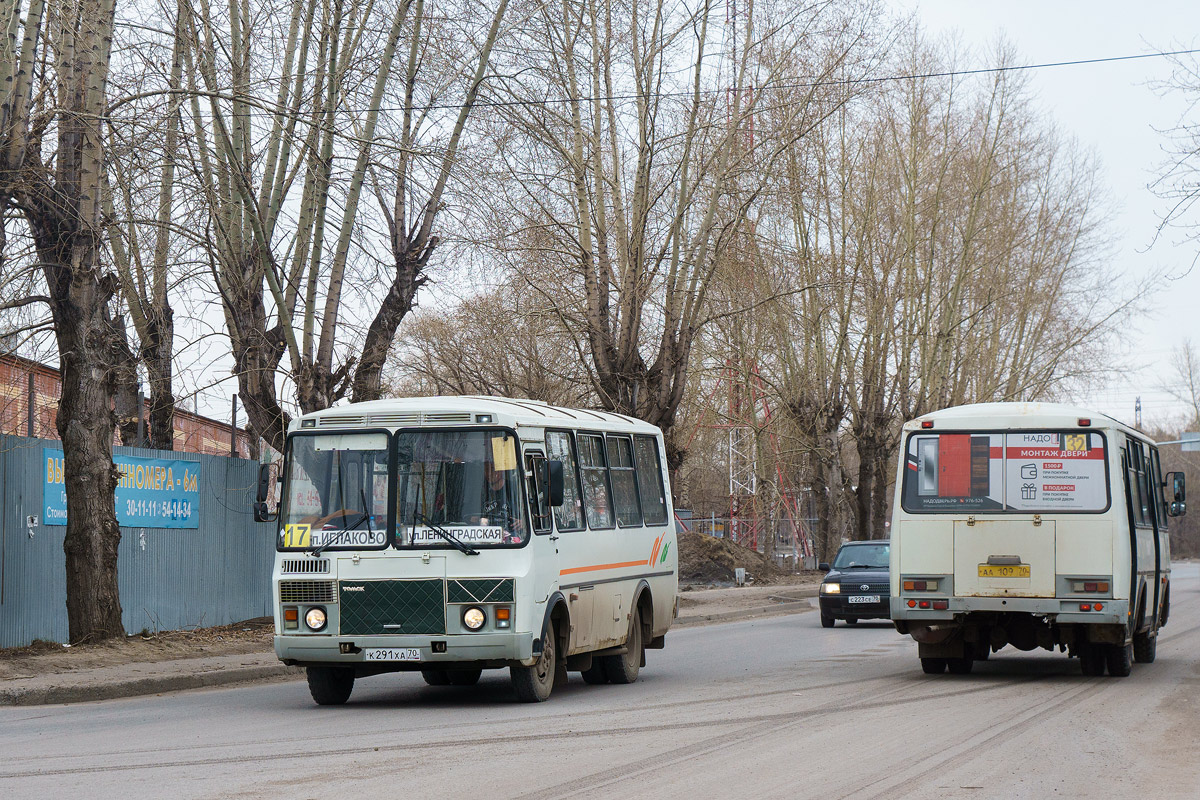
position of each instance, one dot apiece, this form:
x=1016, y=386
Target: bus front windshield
x=465, y=483
x=336, y=492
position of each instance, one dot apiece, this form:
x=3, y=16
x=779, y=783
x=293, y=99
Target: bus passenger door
x=544, y=563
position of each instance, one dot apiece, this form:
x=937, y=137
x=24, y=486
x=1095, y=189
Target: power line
x=812, y=84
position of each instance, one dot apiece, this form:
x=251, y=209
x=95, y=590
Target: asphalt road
x=771, y=708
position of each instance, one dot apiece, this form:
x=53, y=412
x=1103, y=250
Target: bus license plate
x=391, y=654
x=1004, y=571
x=863, y=598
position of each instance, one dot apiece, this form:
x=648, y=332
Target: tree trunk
x=85, y=422
x=156, y=355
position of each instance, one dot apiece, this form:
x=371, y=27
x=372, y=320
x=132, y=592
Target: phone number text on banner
x=151, y=493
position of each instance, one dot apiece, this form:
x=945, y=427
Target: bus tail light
x=923, y=604
x=1084, y=422
x=926, y=423
x=1098, y=606
x=1090, y=586
x=1085, y=606
x=941, y=605
x=912, y=603
x=920, y=586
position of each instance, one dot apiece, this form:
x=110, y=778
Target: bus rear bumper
x=352, y=650
x=1056, y=609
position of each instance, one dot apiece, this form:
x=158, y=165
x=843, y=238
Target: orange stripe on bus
x=598, y=567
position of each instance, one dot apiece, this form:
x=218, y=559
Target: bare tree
x=55, y=64
x=633, y=177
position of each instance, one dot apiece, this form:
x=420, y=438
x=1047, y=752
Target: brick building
x=25, y=383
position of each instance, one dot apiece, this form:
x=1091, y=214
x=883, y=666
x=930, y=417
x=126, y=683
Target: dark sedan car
x=857, y=584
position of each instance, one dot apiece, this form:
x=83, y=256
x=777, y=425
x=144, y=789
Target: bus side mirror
x=1178, y=504
x=554, y=483
x=261, y=512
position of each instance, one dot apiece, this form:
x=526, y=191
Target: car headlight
x=831, y=588
x=315, y=618
x=473, y=618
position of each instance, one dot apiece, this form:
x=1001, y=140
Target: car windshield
x=861, y=556
x=335, y=492
x=464, y=483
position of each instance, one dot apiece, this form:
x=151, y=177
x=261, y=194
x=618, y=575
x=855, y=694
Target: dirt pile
x=707, y=560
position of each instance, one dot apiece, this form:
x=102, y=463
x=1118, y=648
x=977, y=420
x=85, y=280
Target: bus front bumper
x=451, y=649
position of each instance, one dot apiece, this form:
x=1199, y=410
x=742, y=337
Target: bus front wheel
x=534, y=684
x=330, y=686
x=933, y=666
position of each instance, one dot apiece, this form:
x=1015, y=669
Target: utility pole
x=1137, y=413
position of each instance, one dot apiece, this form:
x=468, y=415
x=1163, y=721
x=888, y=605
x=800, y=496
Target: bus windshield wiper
x=445, y=534
x=337, y=537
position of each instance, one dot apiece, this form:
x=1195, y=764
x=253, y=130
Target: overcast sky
x=1113, y=110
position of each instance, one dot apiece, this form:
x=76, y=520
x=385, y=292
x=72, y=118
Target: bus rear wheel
x=1145, y=647
x=625, y=668
x=1120, y=659
x=534, y=684
x=960, y=666
x=330, y=686
x=933, y=666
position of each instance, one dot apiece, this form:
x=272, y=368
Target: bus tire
x=330, y=686
x=624, y=669
x=464, y=677
x=595, y=675
x=1091, y=658
x=960, y=666
x=436, y=677
x=1145, y=647
x=933, y=666
x=534, y=684
x=1120, y=659
x=1165, y=613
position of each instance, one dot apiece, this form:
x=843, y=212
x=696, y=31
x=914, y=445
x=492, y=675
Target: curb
x=54, y=695
x=776, y=610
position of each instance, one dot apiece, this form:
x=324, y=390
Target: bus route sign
x=151, y=492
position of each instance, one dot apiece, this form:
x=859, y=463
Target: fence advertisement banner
x=152, y=492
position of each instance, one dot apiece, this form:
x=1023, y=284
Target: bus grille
x=307, y=592
x=317, y=566
x=480, y=590
x=393, y=607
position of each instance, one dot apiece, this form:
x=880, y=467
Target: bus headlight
x=315, y=618
x=473, y=618
x=831, y=588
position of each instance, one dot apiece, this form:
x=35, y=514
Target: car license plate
x=863, y=598
x=391, y=654
x=1004, y=571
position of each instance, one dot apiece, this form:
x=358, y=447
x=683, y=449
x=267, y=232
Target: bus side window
x=539, y=501
x=597, y=496
x=649, y=475
x=1131, y=486
x=1156, y=489
x=624, y=481
x=560, y=447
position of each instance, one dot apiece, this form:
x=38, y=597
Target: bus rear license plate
x=391, y=654
x=863, y=598
x=1006, y=571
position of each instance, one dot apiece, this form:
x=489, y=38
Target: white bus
x=455, y=534
x=1031, y=525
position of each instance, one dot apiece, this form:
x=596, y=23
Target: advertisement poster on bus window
x=1058, y=471
x=955, y=472
x=151, y=492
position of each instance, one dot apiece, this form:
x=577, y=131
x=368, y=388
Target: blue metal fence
x=170, y=578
